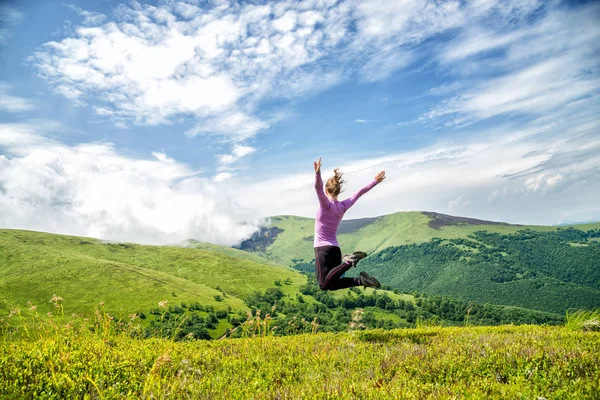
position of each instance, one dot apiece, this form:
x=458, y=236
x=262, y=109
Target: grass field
x=506, y=362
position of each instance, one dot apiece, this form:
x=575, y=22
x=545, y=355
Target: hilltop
x=288, y=238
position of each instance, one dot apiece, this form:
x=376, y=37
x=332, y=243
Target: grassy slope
x=401, y=228
x=130, y=278
x=229, y=251
x=126, y=277
x=503, y=362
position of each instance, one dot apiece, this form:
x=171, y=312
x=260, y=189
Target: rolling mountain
x=547, y=268
x=209, y=289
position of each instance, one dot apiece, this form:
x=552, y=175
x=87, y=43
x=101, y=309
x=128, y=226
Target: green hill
x=289, y=238
x=208, y=291
x=551, y=269
x=125, y=277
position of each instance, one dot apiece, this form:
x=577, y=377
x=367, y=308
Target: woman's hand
x=379, y=177
x=318, y=165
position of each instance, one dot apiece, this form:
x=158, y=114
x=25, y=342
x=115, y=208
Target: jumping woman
x=329, y=265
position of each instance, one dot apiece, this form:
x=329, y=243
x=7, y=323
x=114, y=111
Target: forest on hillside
x=313, y=309
x=552, y=271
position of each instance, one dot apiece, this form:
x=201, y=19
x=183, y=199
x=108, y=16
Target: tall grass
x=583, y=320
x=99, y=357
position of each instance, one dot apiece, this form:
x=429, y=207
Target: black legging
x=329, y=268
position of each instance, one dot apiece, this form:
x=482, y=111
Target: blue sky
x=156, y=122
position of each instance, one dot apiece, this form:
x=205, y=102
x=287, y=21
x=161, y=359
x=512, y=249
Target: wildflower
x=33, y=308
x=164, y=359
x=49, y=314
x=133, y=316
x=55, y=299
x=15, y=311
x=163, y=304
x=101, y=304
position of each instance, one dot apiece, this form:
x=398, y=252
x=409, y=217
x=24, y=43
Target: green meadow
x=95, y=360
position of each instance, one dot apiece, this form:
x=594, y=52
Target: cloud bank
x=91, y=190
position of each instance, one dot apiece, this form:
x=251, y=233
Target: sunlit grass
x=583, y=320
x=97, y=357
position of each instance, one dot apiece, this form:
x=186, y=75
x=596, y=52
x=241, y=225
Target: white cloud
x=445, y=89
x=536, y=68
x=90, y=189
x=161, y=156
x=360, y=121
x=9, y=19
x=225, y=170
x=89, y=17
x=458, y=203
x=12, y=103
x=535, y=173
x=149, y=66
x=238, y=152
x=222, y=176
x=218, y=62
x=238, y=125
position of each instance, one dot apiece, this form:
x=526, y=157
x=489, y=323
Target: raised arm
x=349, y=202
x=323, y=200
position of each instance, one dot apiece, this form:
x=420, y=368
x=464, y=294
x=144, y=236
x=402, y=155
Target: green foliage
x=378, y=309
x=532, y=269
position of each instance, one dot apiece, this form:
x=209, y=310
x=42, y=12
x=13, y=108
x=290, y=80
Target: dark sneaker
x=355, y=257
x=368, y=281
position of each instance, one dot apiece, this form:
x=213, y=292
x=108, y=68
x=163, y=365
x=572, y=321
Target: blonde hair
x=334, y=184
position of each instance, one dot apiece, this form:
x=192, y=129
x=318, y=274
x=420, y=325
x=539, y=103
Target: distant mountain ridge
x=428, y=251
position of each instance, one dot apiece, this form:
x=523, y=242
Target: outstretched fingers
x=317, y=165
x=380, y=177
